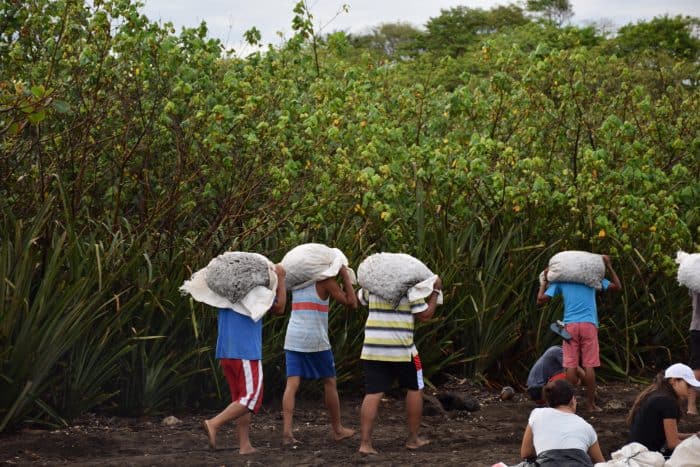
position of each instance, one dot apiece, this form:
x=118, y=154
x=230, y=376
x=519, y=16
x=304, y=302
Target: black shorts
x=380, y=376
x=694, y=363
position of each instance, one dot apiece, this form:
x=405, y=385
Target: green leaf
x=61, y=107
x=38, y=91
x=37, y=117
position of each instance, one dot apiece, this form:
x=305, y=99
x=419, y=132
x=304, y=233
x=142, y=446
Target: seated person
x=546, y=369
x=555, y=435
x=654, y=416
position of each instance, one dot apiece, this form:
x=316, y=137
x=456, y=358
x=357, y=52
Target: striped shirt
x=307, y=330
x=389, y=331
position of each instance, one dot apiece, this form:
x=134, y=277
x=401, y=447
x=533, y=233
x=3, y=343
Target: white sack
x=581, y=267
x=689, y=270
x=243, y=282
x=393, y=276
x=312, y=262
x=686, y=454
x=634, y=455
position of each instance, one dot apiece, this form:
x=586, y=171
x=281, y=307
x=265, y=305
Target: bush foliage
x=131, y=155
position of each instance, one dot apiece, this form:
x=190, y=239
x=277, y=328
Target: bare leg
x=243, y=435
x=333, y=406
x=368, y=412
x=414, y=413
x=589, y=381
x=290, y=392
x=572, y=375
x=233, y=411
x=692, y=396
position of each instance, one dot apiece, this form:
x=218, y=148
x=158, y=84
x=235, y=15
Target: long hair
x=660, y=385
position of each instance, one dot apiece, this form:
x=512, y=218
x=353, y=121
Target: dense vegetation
x=483, y=143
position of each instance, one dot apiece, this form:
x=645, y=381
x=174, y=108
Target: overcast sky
x=227, y=20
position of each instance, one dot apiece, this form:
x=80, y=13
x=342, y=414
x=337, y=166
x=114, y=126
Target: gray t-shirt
x=695, y=321
x=549, y=364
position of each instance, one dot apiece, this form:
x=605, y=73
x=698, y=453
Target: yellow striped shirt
x=389, y=330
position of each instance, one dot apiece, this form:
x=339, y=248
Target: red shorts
x=557, y=376
x=582, y=349
x=245, y=381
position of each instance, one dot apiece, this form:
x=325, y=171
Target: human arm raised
x=615, y=285
x=543, y=298
x=281, y=293
x=345, y=295
x=432, y=302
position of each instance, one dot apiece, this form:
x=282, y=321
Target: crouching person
x=556, y=436
x=547, y=368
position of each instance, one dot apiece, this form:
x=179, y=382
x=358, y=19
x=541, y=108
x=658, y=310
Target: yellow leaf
x=602, y=233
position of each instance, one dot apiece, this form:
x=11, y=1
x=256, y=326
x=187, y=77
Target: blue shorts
x=310, y=365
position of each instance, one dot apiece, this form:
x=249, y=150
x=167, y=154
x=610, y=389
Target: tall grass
x=58, y=321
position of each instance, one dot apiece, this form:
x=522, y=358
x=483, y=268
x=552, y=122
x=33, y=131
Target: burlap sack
x=689, y=270
x=244, y=282
x=580, y=267
x=312, y=262
x=393, y=276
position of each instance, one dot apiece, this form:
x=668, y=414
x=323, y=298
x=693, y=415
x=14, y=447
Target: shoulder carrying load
x=244, y=282
x=580, y=267
x=393, y=276
x=689, y=270
x=313, y=262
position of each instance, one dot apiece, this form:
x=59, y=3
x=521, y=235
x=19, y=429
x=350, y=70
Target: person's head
x=674, y=382
x=535, y=393
x=560, y=392
x=681, y=378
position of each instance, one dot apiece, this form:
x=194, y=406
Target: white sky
x=227, y=20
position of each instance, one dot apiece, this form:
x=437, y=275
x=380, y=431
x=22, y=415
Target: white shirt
x=554, y=429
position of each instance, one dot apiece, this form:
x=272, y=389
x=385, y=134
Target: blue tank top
x=307, y=330
x=239, y=336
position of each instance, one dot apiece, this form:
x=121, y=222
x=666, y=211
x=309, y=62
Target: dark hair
x=660, y=385
x=559, y=392
x=535, y=393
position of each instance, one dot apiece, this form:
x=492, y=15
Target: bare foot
x=367, y=449
x=593, y=408
x=290, y=441
x=243, y=450
x=211, y=434
x=417, y=443
x=692, y=412
x=343, y=433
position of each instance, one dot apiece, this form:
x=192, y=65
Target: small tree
x=556, y=11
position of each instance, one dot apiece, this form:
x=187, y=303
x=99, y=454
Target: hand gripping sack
x=312, y=262
x=689, y=270
x=581, y=267
x=244, y=282
x=393, y=276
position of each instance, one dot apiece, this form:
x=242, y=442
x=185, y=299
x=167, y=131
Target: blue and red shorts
x=245, y=381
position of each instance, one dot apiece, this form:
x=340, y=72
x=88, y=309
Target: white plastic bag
x=313, y=262
x=686, y=454
x=689, y=270
x=393, y=276
x=634, y=455
x=580, y=267
x=244, y=282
